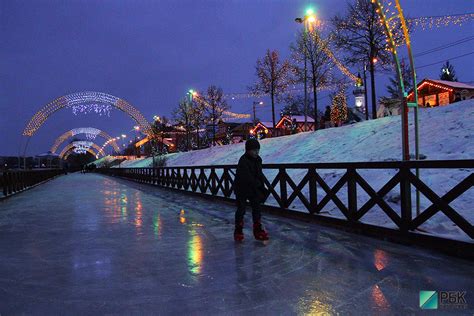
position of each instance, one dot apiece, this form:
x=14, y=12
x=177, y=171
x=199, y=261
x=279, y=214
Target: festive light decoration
x=81, y=146
x=90, y=151
x=84, y=146
x=81, y=98
x=429, y=22
x=259, y=131
x=90, y=132
x=339, y=107
x=101, y=109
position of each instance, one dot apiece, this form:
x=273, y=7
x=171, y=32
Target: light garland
x=81, y=145
x=429, y=22
x=100, y=109
x=90, y=132
x=339, y=107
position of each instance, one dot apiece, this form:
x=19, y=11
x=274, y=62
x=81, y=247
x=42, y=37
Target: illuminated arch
x=85, y=130
x=71, y=146
x=392, y=18
x=83, y=98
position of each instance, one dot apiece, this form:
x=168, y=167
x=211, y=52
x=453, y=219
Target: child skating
x=249, y=185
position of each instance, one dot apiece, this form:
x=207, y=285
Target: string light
x=83, y=147
x=84, y=98
x=429, y=22
x=101, y=109
x=90, y=132
x=339, y=107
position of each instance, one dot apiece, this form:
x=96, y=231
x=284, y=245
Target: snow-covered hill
x=445, y=133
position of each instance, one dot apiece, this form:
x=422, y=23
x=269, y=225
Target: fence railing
x=13, y=181
x=285, y=189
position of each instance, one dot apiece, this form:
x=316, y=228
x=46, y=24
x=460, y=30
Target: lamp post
x=365, y=94
x=255, y=103
x=192, y=94
x=306, y=21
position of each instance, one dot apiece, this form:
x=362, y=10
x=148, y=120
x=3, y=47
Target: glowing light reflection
x=195, y=253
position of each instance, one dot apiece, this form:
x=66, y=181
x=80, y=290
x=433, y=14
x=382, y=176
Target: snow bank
x=445, y=133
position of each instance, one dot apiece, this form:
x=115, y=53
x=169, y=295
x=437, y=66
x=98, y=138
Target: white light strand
x=97, y=108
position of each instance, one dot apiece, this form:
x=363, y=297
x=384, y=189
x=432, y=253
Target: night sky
x=151, y=52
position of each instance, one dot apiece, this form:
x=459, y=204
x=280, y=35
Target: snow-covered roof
x=453, y=84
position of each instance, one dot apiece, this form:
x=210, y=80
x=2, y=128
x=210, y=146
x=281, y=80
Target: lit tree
x=182, y=114
x=273, y=78
x=362, y=36
x=320, y=65
x=216, y=105
x=447, y=72
x=228, y=136
x=339, y=108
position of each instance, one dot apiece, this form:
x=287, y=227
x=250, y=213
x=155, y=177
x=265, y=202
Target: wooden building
x=433, y=93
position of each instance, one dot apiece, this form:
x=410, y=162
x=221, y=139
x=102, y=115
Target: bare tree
x=215, y=106
x=182, y=115
x=273, y=77
x=362, y=36
x=311, y=44
x=198, y=119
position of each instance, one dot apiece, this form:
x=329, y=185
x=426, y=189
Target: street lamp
x=307, y=20
x=254, y=115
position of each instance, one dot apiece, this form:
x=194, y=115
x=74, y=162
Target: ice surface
x=89, y=244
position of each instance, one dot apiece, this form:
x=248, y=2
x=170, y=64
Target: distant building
x=433, y=93
x=293, y=124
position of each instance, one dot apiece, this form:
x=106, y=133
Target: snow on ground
x=445, y=133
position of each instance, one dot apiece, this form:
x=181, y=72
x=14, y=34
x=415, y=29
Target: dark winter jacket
x=249, y=180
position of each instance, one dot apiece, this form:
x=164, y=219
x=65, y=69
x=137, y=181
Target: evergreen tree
x=339, y=108
x=447, y=72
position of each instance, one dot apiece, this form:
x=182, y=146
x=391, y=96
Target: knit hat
x=252, y=143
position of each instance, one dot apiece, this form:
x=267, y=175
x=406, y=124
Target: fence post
x=313, y=191
x=283, y=191
x=213, y=181
x=351, y=192
x=405, y=198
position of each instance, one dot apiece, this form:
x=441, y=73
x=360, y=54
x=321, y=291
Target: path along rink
x=91, y=244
